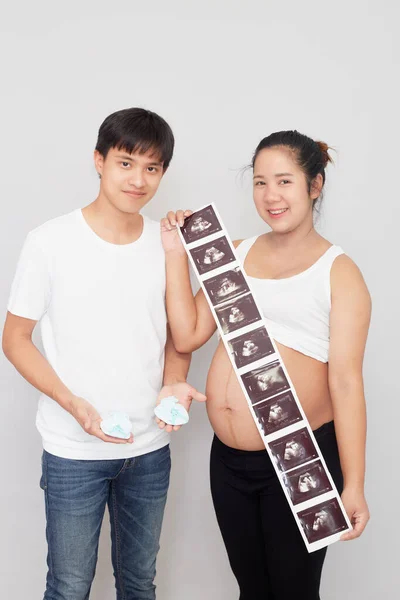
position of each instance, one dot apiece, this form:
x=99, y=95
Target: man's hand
x=185, y=394
x=89, y=419
x=357, y=511
x=169, y=234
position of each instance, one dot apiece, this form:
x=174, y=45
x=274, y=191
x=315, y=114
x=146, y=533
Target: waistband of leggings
x=319, y=432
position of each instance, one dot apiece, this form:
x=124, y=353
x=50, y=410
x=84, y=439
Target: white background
x=223, y=74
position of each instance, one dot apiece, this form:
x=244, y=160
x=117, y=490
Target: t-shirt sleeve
x=30, y=290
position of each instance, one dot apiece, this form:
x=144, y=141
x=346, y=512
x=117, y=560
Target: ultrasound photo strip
x=265, y=382
x=307, y=481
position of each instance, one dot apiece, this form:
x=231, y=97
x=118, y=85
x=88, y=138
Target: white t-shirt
x=101, y=308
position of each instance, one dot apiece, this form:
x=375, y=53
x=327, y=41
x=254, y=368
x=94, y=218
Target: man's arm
x=176, y=368
x=33, y=366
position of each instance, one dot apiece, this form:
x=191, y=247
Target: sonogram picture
x=264, y=380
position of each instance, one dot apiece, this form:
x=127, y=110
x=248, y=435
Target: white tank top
x=297, y=308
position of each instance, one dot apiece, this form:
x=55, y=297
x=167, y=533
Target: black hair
x=136, y=130
x=311, y=156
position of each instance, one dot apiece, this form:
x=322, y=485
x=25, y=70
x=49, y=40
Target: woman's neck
x=300, y=238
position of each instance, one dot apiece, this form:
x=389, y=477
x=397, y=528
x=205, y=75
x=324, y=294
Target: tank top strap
x=329, y=257
x=327, y=261
x=243, y=249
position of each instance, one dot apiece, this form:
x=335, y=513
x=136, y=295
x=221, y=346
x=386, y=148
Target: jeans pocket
x=164, y=453
x=43, y=478
x=162, y=461
x=161, y=453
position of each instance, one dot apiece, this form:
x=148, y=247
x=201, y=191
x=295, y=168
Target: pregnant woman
x=317, y=309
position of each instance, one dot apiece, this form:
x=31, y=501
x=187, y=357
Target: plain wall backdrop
x=223, y=74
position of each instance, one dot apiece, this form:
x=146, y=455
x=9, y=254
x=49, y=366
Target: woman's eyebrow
x=276, y=175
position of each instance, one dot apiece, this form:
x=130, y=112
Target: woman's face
x=280, y=190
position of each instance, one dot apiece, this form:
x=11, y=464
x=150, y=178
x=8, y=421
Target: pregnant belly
x=227, y=406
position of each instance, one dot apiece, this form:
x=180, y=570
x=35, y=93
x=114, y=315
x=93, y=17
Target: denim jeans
x=76, y=494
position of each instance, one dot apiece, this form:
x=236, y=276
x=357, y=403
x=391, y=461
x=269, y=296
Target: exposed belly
x=228, y=410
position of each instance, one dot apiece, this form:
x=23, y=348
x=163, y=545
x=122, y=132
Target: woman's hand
x=169, y=234
x=357, y=511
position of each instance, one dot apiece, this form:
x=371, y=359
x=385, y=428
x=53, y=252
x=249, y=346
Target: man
x=95, y=279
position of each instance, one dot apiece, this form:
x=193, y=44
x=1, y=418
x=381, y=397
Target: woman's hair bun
x=324, y=148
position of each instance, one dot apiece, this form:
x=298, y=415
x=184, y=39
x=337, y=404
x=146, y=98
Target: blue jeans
x=76, y=494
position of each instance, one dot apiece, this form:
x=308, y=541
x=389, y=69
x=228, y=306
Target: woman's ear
x=316, y=187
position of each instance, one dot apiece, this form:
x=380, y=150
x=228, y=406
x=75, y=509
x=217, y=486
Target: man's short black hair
x=136, y=130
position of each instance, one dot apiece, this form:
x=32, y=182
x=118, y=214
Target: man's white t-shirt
x=101, y=308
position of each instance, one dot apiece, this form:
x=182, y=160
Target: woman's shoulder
x=343, y=265
x=347, y=278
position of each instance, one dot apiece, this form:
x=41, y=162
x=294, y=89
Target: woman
x=317, y=309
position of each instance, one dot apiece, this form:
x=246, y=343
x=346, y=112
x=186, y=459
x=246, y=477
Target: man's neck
x=112, y=225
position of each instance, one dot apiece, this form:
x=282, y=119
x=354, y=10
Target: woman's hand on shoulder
x=357, y=510
x=169, y=234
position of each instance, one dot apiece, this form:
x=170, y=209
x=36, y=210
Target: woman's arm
x=190, y=318
x=349, y=323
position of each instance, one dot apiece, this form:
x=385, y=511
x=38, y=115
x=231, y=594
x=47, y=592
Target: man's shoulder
x=53, y=229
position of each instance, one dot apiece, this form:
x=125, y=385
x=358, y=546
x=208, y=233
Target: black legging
x=265, y=549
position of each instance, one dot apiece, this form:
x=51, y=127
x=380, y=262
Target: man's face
x=128, y=181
